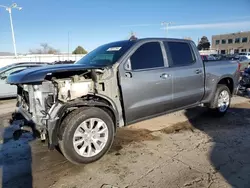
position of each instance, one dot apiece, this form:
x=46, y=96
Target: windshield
x=106, y=54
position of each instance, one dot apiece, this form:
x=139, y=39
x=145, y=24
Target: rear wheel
x=87, y=134
x=221, y=101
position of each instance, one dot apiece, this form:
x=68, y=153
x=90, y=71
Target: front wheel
x=221, y=101
x=86, y=135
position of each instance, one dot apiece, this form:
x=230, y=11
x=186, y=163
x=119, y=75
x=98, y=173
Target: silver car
x=7, y=90
x=244, y=63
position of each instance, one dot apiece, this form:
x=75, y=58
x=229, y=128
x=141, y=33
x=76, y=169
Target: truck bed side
x=219, y=72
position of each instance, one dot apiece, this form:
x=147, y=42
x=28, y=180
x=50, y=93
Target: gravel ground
x=187, y=152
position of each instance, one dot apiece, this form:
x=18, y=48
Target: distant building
x=232, y=43
x=6, y=54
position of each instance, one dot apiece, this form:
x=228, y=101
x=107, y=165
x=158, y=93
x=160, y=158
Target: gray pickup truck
x=80, y=106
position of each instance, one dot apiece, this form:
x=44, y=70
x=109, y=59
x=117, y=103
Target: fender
x=211, y=94
x=53, y=124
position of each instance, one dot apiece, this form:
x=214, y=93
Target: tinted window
x=244, y=39
x=148, y=55
x=223, y=51
x=181, y=53
x=237, y=40
x=230, y=41
x=223, y=41
x=217, y=42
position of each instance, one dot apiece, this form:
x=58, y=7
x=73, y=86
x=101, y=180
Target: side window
x=181, y=53
x=147, y=56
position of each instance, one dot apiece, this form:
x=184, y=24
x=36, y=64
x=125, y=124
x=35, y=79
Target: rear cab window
x=147, y=56
x=181, y=53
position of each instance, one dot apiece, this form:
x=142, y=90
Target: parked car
x=244, y=62
x=204, y=57
x=216, y=56
x=211, y=58
x=247, y=54
x=219, y=56
x=8, y=90
x=79, y=106
x=208, y=58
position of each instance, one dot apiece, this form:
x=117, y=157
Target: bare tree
x=45, y=49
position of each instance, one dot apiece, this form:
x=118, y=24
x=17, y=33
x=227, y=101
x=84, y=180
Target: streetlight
x=166, y=24
x=13, y=6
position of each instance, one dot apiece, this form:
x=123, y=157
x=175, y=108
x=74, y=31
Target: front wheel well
x=83, y=103
x=228, y=82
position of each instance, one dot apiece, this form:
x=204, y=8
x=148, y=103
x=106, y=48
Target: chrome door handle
x=165, y=76
x=198, y=71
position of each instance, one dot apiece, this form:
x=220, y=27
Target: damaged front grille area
x=23, y=98
x=36, y=100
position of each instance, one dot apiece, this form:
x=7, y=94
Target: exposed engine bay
x=74, y=87
x=40, y=103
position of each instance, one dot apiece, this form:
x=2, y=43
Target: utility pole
x=9, y=9
x=166, y=24
x=68, y=45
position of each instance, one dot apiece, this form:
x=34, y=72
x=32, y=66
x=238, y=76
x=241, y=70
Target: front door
x=188, y=74
x=146, y=83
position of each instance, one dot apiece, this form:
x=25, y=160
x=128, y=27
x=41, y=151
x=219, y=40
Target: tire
x=214, y=105
x=73, y=126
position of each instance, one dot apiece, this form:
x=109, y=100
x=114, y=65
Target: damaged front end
x=45, y=104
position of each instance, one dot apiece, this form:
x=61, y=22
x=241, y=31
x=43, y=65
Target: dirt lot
x=200, y=152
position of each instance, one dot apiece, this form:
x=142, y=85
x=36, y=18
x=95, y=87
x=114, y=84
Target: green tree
x=204, y=44
x=79, y=50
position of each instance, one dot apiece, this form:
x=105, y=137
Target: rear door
x=146, y=82
x=188, y=73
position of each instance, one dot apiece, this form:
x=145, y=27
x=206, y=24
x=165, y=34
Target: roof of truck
x=155, y=38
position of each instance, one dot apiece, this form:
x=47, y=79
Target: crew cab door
x=188, y=73
x=146, y=82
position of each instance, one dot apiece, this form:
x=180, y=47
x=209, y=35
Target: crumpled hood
x=32, y=75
